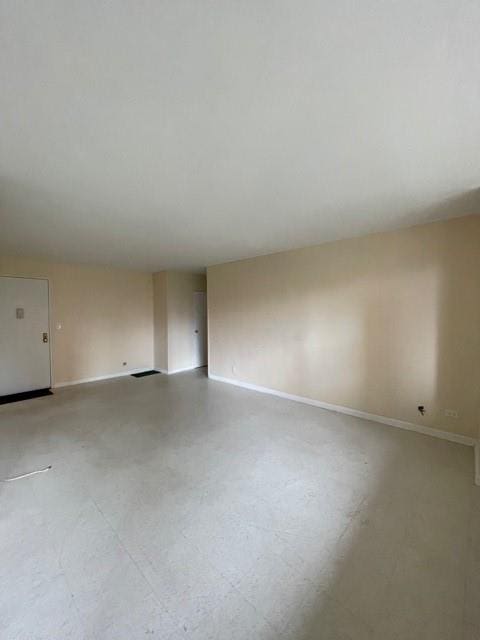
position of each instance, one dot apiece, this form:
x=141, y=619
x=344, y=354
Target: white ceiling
x=179, y=134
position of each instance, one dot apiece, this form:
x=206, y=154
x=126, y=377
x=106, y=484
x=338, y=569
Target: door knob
x=196, y=330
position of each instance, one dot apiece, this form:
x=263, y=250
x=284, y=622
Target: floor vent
x=26, y=395
x=142, y=374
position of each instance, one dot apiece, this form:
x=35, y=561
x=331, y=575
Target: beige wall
x=106, y=316
x=174, y=338
x=381, y=323
x=160, y=321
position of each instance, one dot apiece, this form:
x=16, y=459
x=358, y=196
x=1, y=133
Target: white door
x=200, y=328
x=24, y=337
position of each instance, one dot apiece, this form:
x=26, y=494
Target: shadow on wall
x=382, y=323
x=433, y=361
x=458, y=346
x=458, y=308
x=456, y=381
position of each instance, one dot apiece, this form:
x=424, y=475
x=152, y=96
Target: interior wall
x=160, y=321
x=174, y=342
x=382, y=323
x=106, y=317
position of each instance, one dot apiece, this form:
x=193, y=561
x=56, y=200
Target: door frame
x=49, y=302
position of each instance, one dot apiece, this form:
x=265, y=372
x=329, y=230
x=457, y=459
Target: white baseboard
x=172, y=371
x=393, y=422
x=477, y=463
x=57, y=385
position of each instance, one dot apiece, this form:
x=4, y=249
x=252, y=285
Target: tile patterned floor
x=178, y=507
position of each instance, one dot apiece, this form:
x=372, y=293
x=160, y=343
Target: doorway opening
x=200, y=349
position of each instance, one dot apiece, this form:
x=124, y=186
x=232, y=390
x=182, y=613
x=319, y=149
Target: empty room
x=239, y=320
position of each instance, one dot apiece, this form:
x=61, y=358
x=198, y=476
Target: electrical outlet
x=451, y=413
